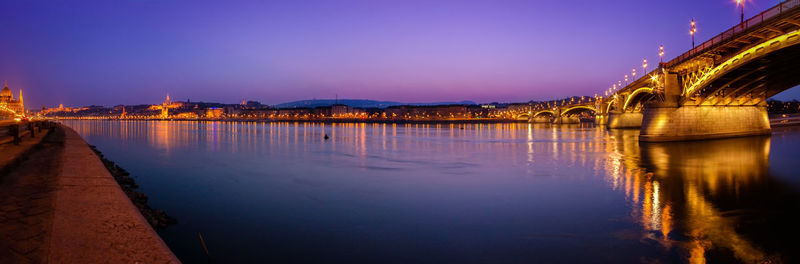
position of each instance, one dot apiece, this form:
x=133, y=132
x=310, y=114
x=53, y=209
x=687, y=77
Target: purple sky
x=131, y=52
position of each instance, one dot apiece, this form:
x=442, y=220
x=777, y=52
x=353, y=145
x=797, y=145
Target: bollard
x=13, y=130
x=30, y=128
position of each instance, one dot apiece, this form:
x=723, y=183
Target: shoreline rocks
x=158, y=219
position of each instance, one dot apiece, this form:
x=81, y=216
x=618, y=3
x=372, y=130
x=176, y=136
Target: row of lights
x=692, y=32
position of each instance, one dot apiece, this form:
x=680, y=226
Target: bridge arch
x=611, y=104
x=641, y=94
x=551, y=112
x=524, y=116
x=577, y=108
x=750, y=76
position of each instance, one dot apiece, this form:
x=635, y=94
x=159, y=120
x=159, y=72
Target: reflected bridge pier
x=699, y=200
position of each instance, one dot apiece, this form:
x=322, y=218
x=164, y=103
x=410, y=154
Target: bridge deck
x=775, y=21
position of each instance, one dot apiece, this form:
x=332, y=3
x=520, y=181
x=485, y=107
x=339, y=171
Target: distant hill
x=446, y=103
x=357, y=103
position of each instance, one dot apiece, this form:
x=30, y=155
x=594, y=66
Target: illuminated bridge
x=718, y=89
x=568, y=111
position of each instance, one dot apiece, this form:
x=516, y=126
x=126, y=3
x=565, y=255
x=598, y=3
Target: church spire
x=21, y=103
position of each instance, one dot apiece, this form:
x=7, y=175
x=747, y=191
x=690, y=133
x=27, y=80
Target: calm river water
x=453, y=193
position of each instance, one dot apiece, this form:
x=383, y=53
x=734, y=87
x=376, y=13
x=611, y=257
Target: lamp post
x=633, y=74
x=626, y=80
x=692, y=31
x=661, y=53
x=741, y=3
x=644, y=66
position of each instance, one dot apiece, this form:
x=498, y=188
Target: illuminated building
x=232, y=110
x=214, y=112
x=187, y=115
x=165, y=106
x=11, y=106
x=428, y=112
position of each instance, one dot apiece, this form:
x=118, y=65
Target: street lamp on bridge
x=741, y=3
x=626, y=80
x=692, y=31
x=633, y=74
x=661, y=53
x=644, y=66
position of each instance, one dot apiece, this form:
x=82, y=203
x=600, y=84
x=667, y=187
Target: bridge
x=562, y=112
x=717, y=89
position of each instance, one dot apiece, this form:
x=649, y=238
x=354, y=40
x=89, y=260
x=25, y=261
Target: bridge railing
x=753, y=22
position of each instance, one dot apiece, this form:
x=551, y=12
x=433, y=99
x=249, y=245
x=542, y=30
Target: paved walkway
x=26, y=199
x=60, y=205
x=10, y=153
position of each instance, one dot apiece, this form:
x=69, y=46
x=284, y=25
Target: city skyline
x=96, y=53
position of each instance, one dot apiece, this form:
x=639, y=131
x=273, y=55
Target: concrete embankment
x=65, y=207
x=785, y=120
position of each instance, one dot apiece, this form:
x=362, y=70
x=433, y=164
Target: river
x=458, y=193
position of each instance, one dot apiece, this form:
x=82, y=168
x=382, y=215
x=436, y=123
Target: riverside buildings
x=252, y=110
x=10, y=107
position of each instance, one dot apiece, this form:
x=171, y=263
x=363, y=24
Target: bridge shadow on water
x=712, y=201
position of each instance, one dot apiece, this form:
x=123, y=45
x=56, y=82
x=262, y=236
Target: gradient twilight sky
x=133, y=52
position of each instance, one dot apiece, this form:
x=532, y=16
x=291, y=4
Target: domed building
x=8, y=106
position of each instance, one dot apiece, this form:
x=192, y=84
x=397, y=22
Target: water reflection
x=456, y=192
x=688, y=195
x=292, y=136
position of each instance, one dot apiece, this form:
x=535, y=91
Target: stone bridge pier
x=620, y=118
x=624, y=120
x=567, y=120
x=671, y=121
x=601, y=119
x=601, y=115
x=541, y=119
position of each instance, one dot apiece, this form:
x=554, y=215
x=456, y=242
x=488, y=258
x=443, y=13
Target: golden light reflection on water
x=684, y=181
x=672, y=189
x=357, y=138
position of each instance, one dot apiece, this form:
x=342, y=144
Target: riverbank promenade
x=58, y=204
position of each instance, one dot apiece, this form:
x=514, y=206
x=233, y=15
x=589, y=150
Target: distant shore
x=327, y=121
x=775, y=120
x=785, y=120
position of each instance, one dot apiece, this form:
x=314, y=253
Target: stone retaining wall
x=93, y=220
x=703, y=122
x=624, y=120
